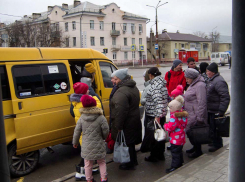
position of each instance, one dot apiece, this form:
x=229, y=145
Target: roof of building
x=225, y=39
x=180, y=37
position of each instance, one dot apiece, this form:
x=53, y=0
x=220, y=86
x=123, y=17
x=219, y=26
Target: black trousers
x=197, y=147
x=158, y=148
x=217, y=140
x=177, y=155
x=132, y=153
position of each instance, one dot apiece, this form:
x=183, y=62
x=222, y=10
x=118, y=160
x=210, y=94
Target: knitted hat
x=176, y=62
x=90, y=68
x=178, y=91
x=203, y=66
x=191, y=73
x=154, y=71
x=80, y=88
x=213, y=67
x=85, y=73
x=88, y=101
x=121, y=74
x=176, y=104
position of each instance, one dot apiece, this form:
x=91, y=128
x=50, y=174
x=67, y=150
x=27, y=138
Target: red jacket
x=176, y=127
x=176, y=78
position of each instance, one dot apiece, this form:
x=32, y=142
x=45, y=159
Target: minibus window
x=5, y=84
x=37, y=80
x=217, y=55
x=106, y=70
x=213, y=55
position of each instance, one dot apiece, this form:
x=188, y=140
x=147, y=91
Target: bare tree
x=200, y=34
x=14, y=33
x=215, y=40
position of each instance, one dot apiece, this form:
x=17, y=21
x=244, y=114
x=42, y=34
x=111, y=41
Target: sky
x=187, y=16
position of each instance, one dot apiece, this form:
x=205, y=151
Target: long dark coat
x=125, y=113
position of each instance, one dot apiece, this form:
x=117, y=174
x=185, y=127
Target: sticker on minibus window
x=63, y=85
x=58, y=90
x=25, y=94
x=53, y=69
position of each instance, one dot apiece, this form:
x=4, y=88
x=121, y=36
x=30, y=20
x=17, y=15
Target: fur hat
x=88, y=101
x=121, y=74
x=80, y=88
x=90, y=68
x=178, y=91
x=176, y=104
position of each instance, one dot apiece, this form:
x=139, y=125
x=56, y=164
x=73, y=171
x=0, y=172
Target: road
x=62, y=162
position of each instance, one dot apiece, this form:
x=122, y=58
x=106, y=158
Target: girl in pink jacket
x=176, y=128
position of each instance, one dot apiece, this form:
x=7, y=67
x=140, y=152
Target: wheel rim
x=23, y=162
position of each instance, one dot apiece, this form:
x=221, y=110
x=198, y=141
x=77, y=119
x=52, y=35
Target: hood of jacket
x=181, y=114
x=198, y=79
x=176, y=73
x=158, y=80
x=90, y=113
x=147, y=83
x=128, y=82
x=75, y=97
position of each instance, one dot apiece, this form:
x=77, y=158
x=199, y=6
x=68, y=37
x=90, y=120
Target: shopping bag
x=121, y=151
x=223, y=126
x=159, y=133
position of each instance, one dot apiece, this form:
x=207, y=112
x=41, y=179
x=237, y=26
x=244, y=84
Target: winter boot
x=80, y=174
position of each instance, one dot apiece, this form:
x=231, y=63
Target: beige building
x=224, y=44
x=170, y=44
x=86, y=25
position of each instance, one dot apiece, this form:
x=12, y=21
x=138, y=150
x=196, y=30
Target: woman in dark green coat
x=125, y=114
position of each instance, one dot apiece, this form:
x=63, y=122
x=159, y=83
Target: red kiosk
x=185, y=54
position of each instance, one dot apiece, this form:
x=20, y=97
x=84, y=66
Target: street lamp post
x=157, y=6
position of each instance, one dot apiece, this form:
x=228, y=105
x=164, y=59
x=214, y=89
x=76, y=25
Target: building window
x=114, y=41
x=92, y=41
x=74, y=42
x=133, y=40
x=163, y=45
x=113, y=26
x=125, y=27
x=66, y=26
x=200, y=54
x=176, y=45
x=132, y=28
x=101, y=25
x=67, y=42
x=57, y=26
x=140, y=41
x=91, y=24
x=125, y=41
x=73, y=25
x=114, y=54
x=182, y=46
x=125, y=55
x=133, y=55
x=163, y=55
x=140, y=28
x=102, y=41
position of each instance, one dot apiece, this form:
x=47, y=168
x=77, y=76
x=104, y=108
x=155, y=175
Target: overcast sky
x=187, y=16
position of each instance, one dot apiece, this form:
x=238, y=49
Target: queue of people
x=195, y=96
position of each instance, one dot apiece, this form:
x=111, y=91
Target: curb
x=223, y=149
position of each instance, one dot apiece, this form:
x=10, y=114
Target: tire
x=21, y=165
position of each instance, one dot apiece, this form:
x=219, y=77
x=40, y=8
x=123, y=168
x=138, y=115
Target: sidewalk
x=209, y=167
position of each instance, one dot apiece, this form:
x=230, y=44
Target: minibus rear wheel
x=23, y=164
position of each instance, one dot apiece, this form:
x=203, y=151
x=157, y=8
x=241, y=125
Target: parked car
x=219, y=58
x=36, y=85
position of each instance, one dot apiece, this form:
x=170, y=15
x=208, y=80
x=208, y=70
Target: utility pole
x=157, y=6
x=213, y=40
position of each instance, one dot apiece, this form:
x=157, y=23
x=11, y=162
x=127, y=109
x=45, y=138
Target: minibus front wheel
x=23, y=164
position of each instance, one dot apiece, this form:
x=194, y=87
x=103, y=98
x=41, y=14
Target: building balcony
x=115, y=32
x=115, y=47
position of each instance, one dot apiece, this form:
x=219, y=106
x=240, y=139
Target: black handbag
x=199, y=134
x=223, y=126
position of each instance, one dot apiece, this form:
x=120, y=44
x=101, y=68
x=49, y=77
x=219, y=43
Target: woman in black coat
x=125, y=114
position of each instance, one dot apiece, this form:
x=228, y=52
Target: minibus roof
x=32, y=54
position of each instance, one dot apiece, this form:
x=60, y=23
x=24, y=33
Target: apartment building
x=170, y=44
x=107, y=28
x=224, y=43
